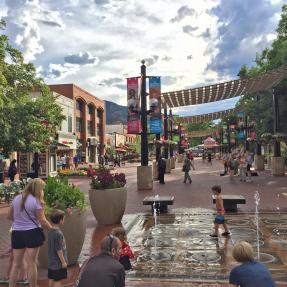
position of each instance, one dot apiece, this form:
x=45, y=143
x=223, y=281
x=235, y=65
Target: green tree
x=260, y=105
x=26, y=123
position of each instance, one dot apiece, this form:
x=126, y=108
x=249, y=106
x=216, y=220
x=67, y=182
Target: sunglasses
x=111, y=238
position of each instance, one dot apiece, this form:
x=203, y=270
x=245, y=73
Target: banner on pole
x=134, y=123
x=155, y=121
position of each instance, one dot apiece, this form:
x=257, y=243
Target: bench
x=160, y=202
x=230, y=201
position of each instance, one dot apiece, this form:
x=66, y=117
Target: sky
x=97, y=44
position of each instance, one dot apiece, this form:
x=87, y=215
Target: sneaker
x=226, y=233
x=213, y=235
x=23, y=282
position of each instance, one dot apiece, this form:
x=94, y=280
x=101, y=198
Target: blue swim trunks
x=219, y=219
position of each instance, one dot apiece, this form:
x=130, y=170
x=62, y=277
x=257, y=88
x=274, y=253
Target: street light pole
x=170, y=126
x=144, y=139
x=165, y=133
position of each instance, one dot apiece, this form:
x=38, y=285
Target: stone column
x=144, y=177
x=172, y=162
x=259, y=162
x=167, y=168
x=277, y=166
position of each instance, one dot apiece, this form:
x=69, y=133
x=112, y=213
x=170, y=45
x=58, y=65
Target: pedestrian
x=225, y=163
x=203, y=157
x=68, y=162
x=57, y=251
x=161, y=167
x=27, y=214
x=75, y=161
x=209, y=158
x=106, y=159
x=12, y=171
x=242, y=168
x=249, y=161
x=250, y=273
x=219, y=218
x=64, y=161
x=186, y=168
x=127, y=252
x=104, y=270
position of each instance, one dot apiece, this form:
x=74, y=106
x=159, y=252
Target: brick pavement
x=196, y=195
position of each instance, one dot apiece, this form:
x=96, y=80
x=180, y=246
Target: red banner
x=134, y=124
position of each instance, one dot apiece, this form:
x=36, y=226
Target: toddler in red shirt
x=127, y=252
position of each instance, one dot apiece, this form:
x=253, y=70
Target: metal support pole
x=157, y=152
x=170, y=126
x=277, y=149
x=144, y=139
x=228, y=137
x=179, y=143
x=165, y=132
x=258, y=142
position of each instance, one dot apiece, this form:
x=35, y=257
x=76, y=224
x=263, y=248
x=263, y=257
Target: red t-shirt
x=127, y=251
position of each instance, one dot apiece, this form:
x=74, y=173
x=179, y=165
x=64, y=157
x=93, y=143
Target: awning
x=60, y=146
x=205, y=117
x=226, y=90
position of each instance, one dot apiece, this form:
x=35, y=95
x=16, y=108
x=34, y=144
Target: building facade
x=88, y=119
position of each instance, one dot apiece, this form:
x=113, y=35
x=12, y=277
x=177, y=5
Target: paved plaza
x=178, y=251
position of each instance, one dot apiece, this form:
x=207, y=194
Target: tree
x=26, y=123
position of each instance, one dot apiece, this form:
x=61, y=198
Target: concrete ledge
x=144, y=177
x=167, y=168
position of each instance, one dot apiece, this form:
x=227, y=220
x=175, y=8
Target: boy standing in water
x=219, y=218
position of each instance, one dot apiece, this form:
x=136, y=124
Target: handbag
x=40, y=229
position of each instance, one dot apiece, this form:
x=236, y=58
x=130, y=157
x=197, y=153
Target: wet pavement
x=189, y=222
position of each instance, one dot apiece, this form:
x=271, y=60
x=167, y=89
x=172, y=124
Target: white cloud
x=97, y=44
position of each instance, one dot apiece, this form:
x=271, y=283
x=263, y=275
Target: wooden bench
x=159, y=202
x=230, y=201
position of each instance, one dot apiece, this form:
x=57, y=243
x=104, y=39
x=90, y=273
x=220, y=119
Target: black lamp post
x=165, y=133
x=277, y=150
x=170, y=127
x=144, y=139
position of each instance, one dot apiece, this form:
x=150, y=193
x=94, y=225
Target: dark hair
x=216, y=188
x=108, y=243
x=118, y=231
x=56, y=216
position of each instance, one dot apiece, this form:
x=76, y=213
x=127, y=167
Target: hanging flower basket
x=266, y=137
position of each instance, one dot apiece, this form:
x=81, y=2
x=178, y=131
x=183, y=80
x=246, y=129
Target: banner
x=134, y=123
x=155, y=121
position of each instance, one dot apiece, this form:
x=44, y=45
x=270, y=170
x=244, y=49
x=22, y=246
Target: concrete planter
x=277, y=166
x=259, y=162
x=74, y=230
x=172, y=162
x=108, y=205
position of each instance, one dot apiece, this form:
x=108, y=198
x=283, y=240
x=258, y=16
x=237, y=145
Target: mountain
x=115, y=113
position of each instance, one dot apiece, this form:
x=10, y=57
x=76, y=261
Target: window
x=79, y=105
x=90, y=128
x=90, y=110
x=70, y=124
x=78, y=124
x=98, y=129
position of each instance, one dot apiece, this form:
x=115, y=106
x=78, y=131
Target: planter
x=277, y=166
x=108, y=205
x=74, y=230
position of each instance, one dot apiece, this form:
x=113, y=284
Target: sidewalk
x=195, y=195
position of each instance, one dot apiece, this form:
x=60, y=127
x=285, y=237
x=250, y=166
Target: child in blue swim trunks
x=219, y=218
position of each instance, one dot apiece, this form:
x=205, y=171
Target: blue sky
x=96, y=44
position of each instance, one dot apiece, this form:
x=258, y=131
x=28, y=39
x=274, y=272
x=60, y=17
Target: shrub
x=61, y=195
x=104, y=179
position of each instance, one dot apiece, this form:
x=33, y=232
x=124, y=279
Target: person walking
x=250, y=273
x=249, y=161
x=161, y=166
x=12, y=171
x=104, y=270
x=27, y=214
x=76, y=161
x=186, y=168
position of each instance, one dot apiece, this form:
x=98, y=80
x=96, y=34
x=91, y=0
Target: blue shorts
x=219, y=219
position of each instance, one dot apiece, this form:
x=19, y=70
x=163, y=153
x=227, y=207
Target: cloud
x=206, y=34
x=169, y=80
x=242, y=31
x=189, y=29
x=182, y=12
x=61, y=71
x=189, y=57
x=152, y=60
x=166, y=58
x=111, y=82
x=85, y=58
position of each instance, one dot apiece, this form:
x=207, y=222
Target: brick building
x=89, y=120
